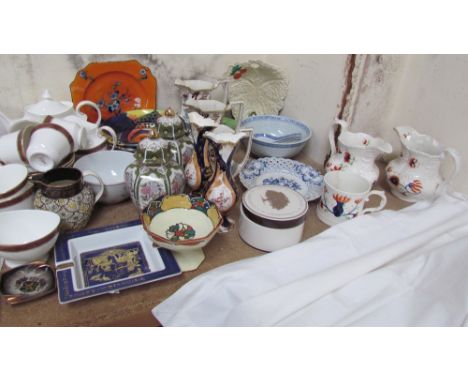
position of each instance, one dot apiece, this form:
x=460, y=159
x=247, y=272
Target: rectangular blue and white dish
x=108, y=259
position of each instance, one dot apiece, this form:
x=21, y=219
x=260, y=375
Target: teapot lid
x=47, y=106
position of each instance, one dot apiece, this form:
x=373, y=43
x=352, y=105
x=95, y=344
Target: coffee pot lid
x=47, y=106
x=169, y=118
x=275, y=202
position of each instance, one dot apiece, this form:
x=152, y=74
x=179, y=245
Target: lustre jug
x=416, y=174
x=64, y=191
x=356, y=152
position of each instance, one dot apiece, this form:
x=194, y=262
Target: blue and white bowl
x=283, y=172
x=269, y=130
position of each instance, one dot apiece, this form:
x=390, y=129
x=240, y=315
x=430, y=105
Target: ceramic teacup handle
x=94, y=106
x=249, y=132
x=331, y=134
x=457, y=164
x=101, y=184
x=383, y=202
x=111, y=132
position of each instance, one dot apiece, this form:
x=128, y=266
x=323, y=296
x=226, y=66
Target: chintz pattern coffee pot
x=416, y=174
x=155, y=172
x=356, y=152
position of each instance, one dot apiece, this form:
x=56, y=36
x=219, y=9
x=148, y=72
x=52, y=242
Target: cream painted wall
x=315, y=89
x=428, y=92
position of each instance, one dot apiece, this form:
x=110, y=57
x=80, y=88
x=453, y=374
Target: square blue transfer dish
x=108, y=259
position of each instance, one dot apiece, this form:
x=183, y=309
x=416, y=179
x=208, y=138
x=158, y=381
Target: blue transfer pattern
x=282, y=181
x=284, y=169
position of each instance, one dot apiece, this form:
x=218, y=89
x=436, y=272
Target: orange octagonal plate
x=115, y=87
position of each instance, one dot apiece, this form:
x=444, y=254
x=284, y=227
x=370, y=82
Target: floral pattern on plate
x=284, y=172
x=115, y=86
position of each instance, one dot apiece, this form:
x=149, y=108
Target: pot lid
x=170, y=125
x=47, y=106
x=275, y=202
x=169, y=118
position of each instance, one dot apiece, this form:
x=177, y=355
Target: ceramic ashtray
x=27, y=282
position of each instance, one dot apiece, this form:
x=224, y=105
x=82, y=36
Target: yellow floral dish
x=181, y=222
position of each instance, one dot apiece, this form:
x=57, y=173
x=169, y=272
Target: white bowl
x=276, y=126
x=21, y=200
x=13, y=178
x=110, y=166
x=27, y=235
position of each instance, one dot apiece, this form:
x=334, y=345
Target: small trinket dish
x=272, y=217
x=108, y=259
x=27, y=282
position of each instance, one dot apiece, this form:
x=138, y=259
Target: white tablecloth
x=393, y=268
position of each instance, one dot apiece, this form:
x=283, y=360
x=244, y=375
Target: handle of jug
x=331, y=135
x=456, y=163
x=37, y=177
x=242, y=164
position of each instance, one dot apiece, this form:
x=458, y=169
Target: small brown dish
x=27, y=282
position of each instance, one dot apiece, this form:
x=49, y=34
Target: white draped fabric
x=393, y=268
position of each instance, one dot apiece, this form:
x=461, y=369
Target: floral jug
x=221, y=191
x=416, y=174
x=155, y=171
x=356, y=152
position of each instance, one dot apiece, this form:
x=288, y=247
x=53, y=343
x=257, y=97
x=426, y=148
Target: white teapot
x=36, y=112
x=64, y=110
